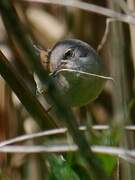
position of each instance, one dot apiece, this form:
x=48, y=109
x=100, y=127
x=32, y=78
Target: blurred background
x=47, y=24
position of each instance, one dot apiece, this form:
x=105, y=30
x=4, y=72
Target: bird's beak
x=63, y=64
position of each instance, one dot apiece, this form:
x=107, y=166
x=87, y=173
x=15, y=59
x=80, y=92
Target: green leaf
x=61, y=170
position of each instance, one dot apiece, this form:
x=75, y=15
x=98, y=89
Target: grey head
x=75, y=54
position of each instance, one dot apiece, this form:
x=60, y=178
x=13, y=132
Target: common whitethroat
x=77, y=70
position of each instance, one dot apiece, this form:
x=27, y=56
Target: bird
x=76, y=69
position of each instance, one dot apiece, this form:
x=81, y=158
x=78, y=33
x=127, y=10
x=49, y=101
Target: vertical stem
x=117, y=54
x=131, y=5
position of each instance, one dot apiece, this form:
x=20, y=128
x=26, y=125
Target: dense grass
x=70, y=153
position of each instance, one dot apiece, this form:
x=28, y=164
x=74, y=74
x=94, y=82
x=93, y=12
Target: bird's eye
x=68, y=54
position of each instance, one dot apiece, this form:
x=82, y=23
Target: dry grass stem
x=105, y=35
x=108, y=150
x=89, y=7
x=55, y=132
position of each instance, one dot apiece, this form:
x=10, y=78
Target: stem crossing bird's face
x=74, y=65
